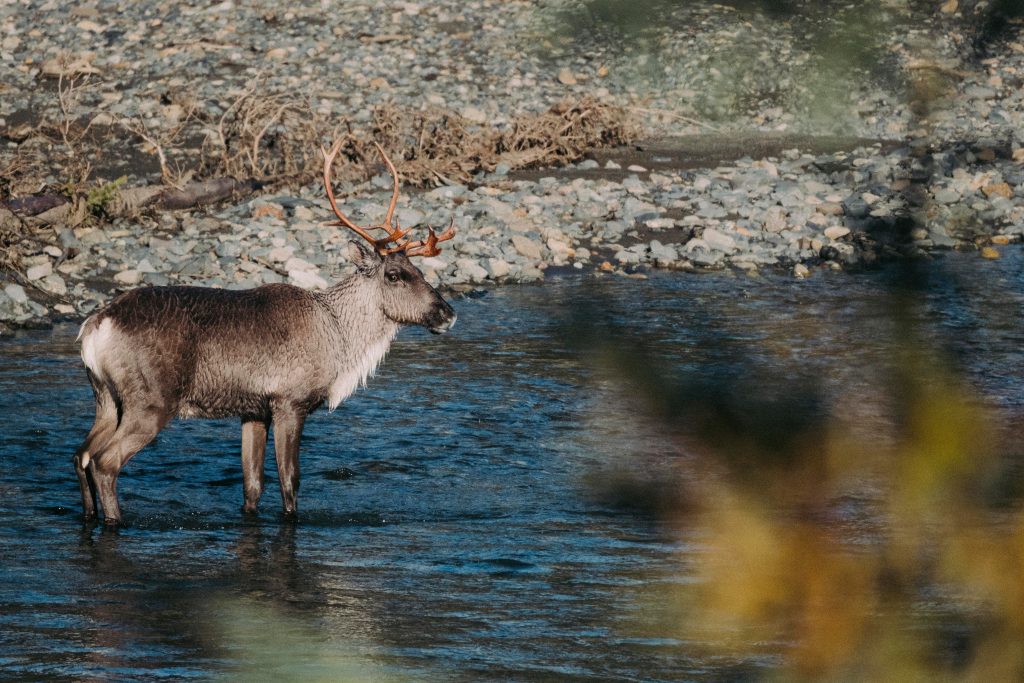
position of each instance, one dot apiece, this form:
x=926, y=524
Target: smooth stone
x=817, y=220
x=304, y=213
x=836, y=231
x=93, y=237
x=474, y=115
x=409, y=217
x=663, y=254
x=129, y=277
x=997, y=189
x=144, y=266
x=16, y=293
x=497, y=268
x=634, y=209
x=718, y=240
x=38, y=272
x=228, y=249
x=529, y=274
x=710, y=210
x=37, y=310
x=941, y=238
x=526, y=247
x=706, y=258
x=634, y=185
x=54, y=284
x=434, y=263
x=156, y=279
x=615, y=228
x=775, y=219
x=472, y=270
x=558, y=247
x=627, y=257
x=281, y=254
x=10, y=309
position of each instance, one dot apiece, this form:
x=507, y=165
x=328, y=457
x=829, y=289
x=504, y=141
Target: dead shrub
x=271, y=140
x=265, y=137
x=431, y=147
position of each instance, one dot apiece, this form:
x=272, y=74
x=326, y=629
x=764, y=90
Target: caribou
x=268, y=355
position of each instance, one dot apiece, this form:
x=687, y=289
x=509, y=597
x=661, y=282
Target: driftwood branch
x=34, y=205
x=55, y=208
x=205, y=192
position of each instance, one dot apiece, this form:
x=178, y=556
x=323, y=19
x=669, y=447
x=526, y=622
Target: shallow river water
x=453, y=522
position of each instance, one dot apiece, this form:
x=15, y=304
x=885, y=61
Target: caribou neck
x=361, y=333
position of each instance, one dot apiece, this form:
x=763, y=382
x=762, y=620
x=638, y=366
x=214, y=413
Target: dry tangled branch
x=438, y=146
x=267, y=140
x=68, y=128
x=264, y=136
x=160, y=141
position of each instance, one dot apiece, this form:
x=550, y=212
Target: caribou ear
x=367, y=261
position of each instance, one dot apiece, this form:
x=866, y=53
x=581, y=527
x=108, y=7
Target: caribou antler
x=395, y=234
x=427, y=247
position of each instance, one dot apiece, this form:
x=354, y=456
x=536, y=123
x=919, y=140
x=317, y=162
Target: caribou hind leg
x=137, y=428
x=102, y=429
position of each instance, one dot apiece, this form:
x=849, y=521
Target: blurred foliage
x=270, y=645
x=817, y=547
x=833, y=47
x=833, y=53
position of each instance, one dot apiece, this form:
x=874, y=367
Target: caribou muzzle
x=442, y=318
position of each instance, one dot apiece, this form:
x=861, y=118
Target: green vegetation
x=98, y=198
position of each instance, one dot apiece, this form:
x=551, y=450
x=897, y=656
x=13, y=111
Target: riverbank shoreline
x=779, y=182
x=617, y=213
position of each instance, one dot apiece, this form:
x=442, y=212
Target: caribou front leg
x=288, y=423
x=254, y=447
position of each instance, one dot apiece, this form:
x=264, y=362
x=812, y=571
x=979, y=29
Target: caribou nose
x=448, y=318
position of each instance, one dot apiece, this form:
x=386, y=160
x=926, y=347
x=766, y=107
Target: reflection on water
x=525, y=498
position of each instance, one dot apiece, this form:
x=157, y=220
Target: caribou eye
x=393, y=276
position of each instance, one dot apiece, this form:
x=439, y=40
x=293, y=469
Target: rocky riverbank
x=925, y=153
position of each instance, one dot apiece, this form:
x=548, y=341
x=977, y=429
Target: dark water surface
x=449, y=526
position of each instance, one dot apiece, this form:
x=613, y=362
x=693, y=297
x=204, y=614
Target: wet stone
x=855, y=207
